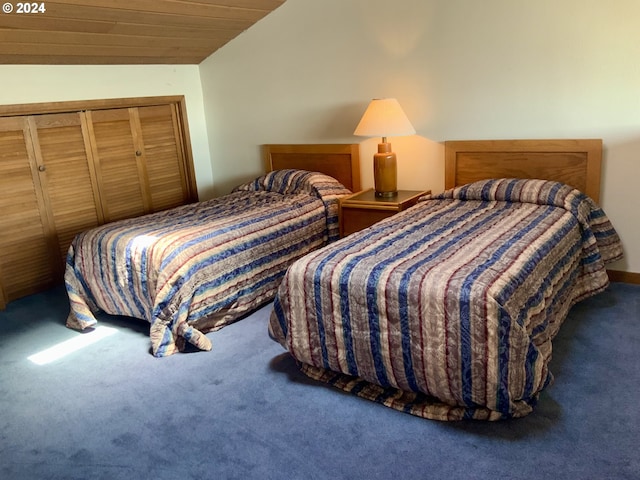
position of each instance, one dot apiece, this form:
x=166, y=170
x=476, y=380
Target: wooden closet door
x=164, y=158
x=139, y=158
x=61, y=173
x=66, y=174
x=118, y=164
x=26, y=240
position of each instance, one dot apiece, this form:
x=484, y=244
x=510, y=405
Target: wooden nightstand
x=363, y=209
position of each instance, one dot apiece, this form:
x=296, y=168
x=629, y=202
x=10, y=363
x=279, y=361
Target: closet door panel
x=164, y=158
x=25, y=237
x=114, y=153
x=67, y=178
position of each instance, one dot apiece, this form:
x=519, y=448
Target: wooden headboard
x=341, y=161
x=574, y=162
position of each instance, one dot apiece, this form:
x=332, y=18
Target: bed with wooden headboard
x=196, y=268
x=447, y=310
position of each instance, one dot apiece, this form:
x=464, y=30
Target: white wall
x=38, y=83
x=462, y=69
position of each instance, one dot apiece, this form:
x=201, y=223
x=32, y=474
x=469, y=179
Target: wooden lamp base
x=385, y=171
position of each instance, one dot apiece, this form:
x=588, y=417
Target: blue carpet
x=244, y=411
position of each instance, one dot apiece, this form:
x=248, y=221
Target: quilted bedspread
x=198, y=267
x=448, y=309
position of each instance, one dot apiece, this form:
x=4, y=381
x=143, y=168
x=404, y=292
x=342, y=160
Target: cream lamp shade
x=384, y=118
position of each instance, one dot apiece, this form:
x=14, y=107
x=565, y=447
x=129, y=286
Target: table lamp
x=384, y=117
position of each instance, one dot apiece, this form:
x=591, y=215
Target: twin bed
x=446, y=310
x=196, y=268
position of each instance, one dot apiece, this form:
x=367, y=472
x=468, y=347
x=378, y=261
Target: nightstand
x=363, y=209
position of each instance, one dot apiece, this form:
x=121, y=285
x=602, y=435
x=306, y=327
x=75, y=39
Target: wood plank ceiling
x=110, y=32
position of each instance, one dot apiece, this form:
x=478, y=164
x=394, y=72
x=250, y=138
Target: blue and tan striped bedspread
x=448, y=309
x=196, y=268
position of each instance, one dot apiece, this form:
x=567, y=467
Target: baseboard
x=624, y=277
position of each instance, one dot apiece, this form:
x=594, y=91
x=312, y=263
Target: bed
x=448, y=310
x=193, y=269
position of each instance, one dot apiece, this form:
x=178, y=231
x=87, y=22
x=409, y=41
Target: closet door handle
x=42, y=168
x=138, y=153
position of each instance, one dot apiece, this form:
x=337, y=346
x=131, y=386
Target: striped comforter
x=448, y=310
x=198, y=267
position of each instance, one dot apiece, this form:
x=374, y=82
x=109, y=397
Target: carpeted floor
x=243, y=410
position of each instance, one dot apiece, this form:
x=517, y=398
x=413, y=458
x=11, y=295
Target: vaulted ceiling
x=109, y=32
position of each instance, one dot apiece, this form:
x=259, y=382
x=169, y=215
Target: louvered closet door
x=163, y=156
x=26, y=245
x=118, y=164
x=67, y=177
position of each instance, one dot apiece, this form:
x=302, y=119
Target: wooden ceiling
x=109, y=32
